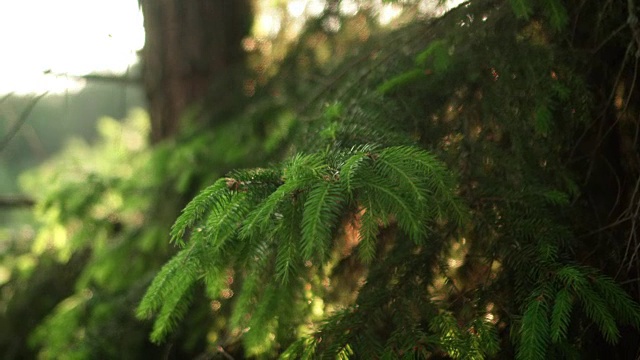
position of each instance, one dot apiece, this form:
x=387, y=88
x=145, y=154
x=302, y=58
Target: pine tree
x=460, y=187
x=435, y=207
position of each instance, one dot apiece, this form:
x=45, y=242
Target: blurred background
x=45, y=97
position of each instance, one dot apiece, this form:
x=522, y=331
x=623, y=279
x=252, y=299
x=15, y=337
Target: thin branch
x=102, y=78
x=18, y=124
x=16, y=201
x=6, y=97
x=224, y=353
x=606, y=40
x=327, y=86
x=633, y=23
x=630, y=281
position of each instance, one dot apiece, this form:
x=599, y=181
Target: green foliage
x=322, y=209
x=196, y=210
x=68, y=314
x=554, y=11
x=561, y=315
x=522, y=8
x=535, y=330
x=309, y=190
x=96, y=210
x=438, y=54
x=400, y=80
x=547, y=317
x=424, y=205
x=92, y=203
x=168, y=293
x=416, y=220
x=478, y=341
x=435, y=59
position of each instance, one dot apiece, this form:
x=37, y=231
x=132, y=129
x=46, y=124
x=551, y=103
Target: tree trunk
x=189, y=44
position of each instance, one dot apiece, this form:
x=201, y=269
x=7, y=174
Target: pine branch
x=288, y=257
x=409, y=220
x=262, y=322
x=394, y=167
x=556, y=13
x=227, y=213
x=626, y=309
x=597, y=310
x=368, y=232
x=349, y=169
x=534, y=331
x=449, y=334
x=322, y=210
x=261, y=216
x=168, y=289
x=522, y=8
x=245, y=300
x=172, y=311
x=196, y=210
x=561, y=315
x=488, y=341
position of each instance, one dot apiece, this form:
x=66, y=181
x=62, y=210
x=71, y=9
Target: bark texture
x=189, y=44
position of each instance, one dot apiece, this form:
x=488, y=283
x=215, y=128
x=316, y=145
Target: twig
x=606, y=40
x=98, y=77
x=224, y=353
x=15, y=201
x=18, y=124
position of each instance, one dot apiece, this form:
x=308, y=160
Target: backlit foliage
x=368, y=205
x=444, y=192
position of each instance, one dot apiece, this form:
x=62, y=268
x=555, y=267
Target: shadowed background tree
x=189, y=45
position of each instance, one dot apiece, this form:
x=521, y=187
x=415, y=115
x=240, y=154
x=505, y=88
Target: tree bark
x=189, y=45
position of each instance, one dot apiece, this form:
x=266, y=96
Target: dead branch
x=16, y=201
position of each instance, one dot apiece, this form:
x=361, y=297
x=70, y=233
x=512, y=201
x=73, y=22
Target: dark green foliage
x=95, y=207
x=196, y=210
x=553, y=10
x=374, y=173
x=561, y=315
x=479, y=340
x=168, y=293
x=436, y=202
x=297, y=222
x=534, y=337
x=522, y=8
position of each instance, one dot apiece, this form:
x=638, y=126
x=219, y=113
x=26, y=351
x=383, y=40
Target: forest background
x=417, y=183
